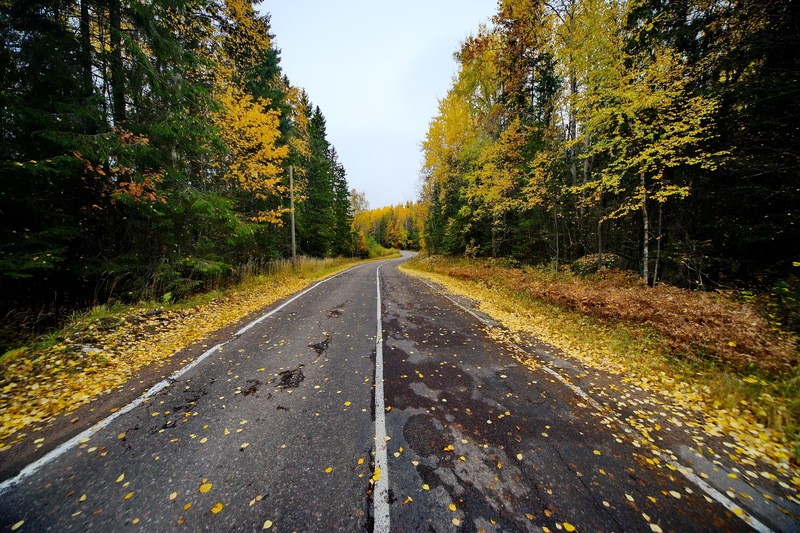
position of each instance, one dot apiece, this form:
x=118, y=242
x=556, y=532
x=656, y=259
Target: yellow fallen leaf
x=129, y=496
x=227, y=432
x=120, y=478
x=597, y=452
x=568, y=527
x=361, y=460
x=453, y=507
x=548, y=513
x=135, y=521
x=186, y=507
x=17, y=525
x=328, y=470
x=347, y=404
x=456, y=522
x=425, y=486
x=519, y=457
x=377, y=475
x=203, y=440
x=629, y=497
x=407, y=500
x=267, y=524
x=205, y=487
x=655, y=529
x=217, y=508
x=121, y=436
x=675, y=494
x=244, y=445
x=82, y=498
x=173, y=495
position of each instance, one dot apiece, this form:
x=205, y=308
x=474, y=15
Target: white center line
x=381, y=495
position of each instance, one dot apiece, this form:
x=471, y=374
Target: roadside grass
x=98, y=350
x=730, y=358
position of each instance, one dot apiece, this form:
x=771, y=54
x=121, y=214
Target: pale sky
x=377, y=70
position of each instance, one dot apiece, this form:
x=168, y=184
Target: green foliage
x=115, y=179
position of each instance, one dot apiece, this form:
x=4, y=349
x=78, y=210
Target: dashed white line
x=380, y=500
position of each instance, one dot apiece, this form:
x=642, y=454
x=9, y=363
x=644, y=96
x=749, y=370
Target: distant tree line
x=657, y=136
x=396, y=226
x=145, y=148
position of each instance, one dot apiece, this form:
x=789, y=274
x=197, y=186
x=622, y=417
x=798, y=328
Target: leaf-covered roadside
x=743, y=398
x=101, y=350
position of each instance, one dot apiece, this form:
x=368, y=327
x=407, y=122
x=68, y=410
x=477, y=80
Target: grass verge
x=698, y=348
x=100, y=349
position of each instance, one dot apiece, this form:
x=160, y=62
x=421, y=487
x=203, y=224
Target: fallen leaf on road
x=120, y=478
x=267, y=524
x=568, y=527
x=377, y=475
x=453, y=507
x=186, y=507
x=173, y=495
x=129, y=496
x=205, y=487
x=328, y=470
x=407, y=500
x=425, y=486
x=217, y=508
x=17, y=525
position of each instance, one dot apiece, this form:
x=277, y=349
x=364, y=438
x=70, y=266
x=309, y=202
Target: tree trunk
x=555, y=228
x=646, y=236
x=117, y=73
x=658, y=242
x=86, y=49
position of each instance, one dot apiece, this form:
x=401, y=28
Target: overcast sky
x=376, y=69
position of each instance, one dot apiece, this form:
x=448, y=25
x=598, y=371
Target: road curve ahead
x=285, y=427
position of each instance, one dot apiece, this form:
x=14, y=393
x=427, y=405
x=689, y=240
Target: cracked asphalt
x=276, y=429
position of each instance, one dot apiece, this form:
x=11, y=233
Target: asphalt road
x=283, y=427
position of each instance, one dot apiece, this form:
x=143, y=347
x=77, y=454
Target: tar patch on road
x=291, y=379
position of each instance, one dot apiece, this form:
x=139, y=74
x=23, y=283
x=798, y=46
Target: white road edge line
x=380, y=497
x=59, y=450
x=723, y=500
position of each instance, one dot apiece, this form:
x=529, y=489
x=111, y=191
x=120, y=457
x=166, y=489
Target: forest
x=651, y=135
x=145, y=154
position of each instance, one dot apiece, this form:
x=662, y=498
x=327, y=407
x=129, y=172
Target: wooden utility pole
x=291, y=203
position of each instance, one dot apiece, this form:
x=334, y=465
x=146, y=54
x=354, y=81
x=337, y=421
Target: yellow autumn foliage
x=250, y=133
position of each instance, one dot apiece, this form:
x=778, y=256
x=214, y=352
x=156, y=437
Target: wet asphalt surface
x=277, y=429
